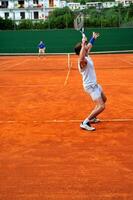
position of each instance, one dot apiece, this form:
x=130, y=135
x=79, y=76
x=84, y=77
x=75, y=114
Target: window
x=35, y=1
x=51, y=3
x=35, y=15
x=4, y=4
x=22, y=14
x=6, y=15
x=21, y=3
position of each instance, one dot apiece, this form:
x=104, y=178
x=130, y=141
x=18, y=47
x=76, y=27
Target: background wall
x=63, y=41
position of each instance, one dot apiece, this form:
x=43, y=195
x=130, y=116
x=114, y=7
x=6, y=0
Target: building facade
x=27, y=9
x=125, y=2
x=40, y=9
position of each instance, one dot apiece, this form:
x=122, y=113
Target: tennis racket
x=79, y=23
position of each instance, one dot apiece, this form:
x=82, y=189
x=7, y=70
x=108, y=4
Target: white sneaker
x=87, y=127
x=94, y=120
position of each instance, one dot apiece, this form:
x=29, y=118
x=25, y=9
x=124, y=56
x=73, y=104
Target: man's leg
x=100, y=106
x=103, y=96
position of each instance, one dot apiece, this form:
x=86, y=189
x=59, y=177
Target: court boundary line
x=58, y=121
x=68, y=74
x=42, y=85
x=5, y=63
x=127, y=62
x=5, y=68
x=67, y=77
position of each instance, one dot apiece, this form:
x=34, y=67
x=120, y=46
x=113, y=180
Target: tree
x=6, y=24
x=25, y=24
x=61, y=18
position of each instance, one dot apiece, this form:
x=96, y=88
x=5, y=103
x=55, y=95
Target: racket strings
x=79, y=23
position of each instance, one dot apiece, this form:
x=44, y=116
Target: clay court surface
x=43, y=153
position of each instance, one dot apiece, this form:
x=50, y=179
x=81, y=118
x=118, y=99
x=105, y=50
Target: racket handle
x=82, y=30
x=83, y=36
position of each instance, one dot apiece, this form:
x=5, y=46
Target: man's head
x=78, y=47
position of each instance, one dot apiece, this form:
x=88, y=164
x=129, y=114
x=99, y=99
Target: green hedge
x=63, y=41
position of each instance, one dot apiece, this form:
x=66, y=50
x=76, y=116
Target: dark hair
x=77, y=48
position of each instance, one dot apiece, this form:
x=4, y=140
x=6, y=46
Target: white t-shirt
x=88, y=73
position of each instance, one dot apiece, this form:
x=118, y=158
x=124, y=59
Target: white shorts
x=41, y=50
x=94, y=91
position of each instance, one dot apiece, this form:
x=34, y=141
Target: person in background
x=42, y=48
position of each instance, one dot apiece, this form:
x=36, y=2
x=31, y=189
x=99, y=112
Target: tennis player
x=86, y=68
x=42, y=48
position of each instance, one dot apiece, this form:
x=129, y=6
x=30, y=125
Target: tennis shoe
x=87, y=126
x=94, y=120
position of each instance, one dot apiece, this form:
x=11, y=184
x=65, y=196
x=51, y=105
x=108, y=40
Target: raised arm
x=82, y=59
x=85, y=48
x=92, y=40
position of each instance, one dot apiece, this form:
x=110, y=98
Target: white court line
x=28, y=85
x=13, y=65
x=54, y=85
x=128, y=62
x=64, y=121
x=67, y=76
x=5, y=63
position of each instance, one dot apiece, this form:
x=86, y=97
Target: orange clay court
x=44, y=155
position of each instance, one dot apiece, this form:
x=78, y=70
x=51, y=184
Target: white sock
x=86, y=121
